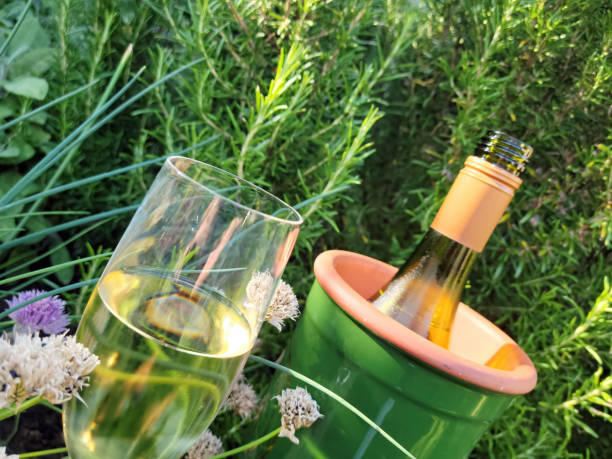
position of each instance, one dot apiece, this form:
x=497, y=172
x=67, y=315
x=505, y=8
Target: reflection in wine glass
x=170, y=318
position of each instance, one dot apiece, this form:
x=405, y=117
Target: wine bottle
x=425, y=292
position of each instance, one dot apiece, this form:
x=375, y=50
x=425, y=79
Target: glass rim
x=170, y=162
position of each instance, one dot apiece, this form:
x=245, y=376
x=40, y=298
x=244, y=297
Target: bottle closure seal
x=475, y=203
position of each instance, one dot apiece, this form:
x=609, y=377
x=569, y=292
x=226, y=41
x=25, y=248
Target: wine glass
x=174, y=315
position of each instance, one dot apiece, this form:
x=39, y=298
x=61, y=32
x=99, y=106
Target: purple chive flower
x=46, y=314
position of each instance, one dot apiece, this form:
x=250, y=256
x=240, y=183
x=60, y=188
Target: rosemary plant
x=351, y=111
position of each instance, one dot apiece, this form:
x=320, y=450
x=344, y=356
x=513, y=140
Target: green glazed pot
x=434, y=402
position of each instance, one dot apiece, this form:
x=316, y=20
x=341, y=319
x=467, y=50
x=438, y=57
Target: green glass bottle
x=426, y=290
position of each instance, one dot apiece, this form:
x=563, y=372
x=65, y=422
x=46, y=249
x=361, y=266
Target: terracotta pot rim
x=520, y=380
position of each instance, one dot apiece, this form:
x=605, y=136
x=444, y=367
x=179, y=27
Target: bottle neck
x=505, y=151
x=475, y=203
x=483, y=189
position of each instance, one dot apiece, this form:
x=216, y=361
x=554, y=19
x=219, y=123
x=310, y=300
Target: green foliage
x=23, y=64
x=572, y=398
x=542, y=72
x=361, y=111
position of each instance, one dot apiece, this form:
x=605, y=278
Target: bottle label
x=475, y=203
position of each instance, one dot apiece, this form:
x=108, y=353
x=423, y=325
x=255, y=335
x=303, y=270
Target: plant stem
x=15, y=28
x=42, y=108
x=71, y=224
x=10, y=436
x=98, y=177
x=52, y=250
x=348, y=155
x=54, y=268
x=248, y=445
x=51, y=406
x=6, y=413
x=336, y=397
x=73, y=148
x=598, y=392
x=44, y=452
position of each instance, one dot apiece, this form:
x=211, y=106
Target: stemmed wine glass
x=173, y=316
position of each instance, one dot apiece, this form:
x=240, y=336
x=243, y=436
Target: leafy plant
x=24, y=60
x=361, y=113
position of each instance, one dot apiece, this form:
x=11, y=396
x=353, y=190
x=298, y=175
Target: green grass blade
x=116, y=74
x=45, y=452
x=321, y=196
x=67, y=288
x=49, y=105
x=53, y=249
x=46, y=212
x=137, y=96
x=43, y=164
x=96, y=178
x=36, y=171
x=81, y=221
x=86, y=133
x=247, y=446
x=64, y=146
x=54, y=268
x=333, y=395
x=15, y=27
x=22, y=286
x=67, y=154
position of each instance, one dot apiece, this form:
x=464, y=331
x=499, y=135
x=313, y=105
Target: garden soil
x=40, y=428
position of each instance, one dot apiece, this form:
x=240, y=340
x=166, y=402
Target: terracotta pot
x=435, y=402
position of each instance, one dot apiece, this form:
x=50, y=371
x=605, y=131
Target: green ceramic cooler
x=435, y=402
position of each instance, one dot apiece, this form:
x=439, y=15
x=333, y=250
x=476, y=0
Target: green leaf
x=37, y=223
x=7, y=226
x=10, y=153
x=34, y=62
x=6, y=110
x=27, y=86
x=13, y=9
x=16, y=152
x=39, y=118
x=35, y=135
x=8, y=179
x=30, y=35
x=62, y=256
x=127, y=10
x=7, y=222
x=18, y=255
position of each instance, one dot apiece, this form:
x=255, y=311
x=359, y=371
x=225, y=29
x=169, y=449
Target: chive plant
x=360, y=113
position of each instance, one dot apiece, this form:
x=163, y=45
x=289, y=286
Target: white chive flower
x=4, y=455
x=55, y=367
x=259, y=288
x=298, y=409
x=242, y=399
x=284, y=304
x=207, y=445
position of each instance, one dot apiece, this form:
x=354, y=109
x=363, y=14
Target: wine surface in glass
x=168, y=355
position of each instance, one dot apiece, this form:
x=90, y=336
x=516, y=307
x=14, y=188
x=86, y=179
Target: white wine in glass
x=170, y=319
